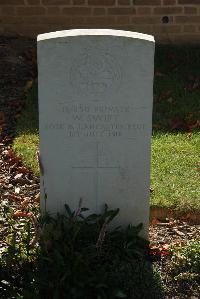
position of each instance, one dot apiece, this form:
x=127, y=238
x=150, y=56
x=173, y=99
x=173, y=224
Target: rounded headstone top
x=95, y=32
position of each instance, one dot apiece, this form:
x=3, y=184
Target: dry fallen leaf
x=7, y=138
x=17, y=115
x=170, y=100
x=156, y=126
x=25, y=202
x=17, y=190
x=158, y=74
x=37, y=197
x=179, y=233
x=189, y=135
x=2, y=117
x=180, y=125
x=28, y=85
x=20, y=213
x=165, y=94
x=12, y=197
x=18, y=176
x=23, y=169
x=195, y=125
x=154, y=221
x=8, y=153
x=166, y=246
x=157, y=250
x=14, y=160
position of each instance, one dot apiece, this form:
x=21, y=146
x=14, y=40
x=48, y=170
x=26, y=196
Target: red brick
x=53, y=10
x=166, y=29
x=77, y=21
x=101, y=2
x=144, y=10
x=30, y=11
x=168, y=10
x=11, y=20
x=56, y=20
x=11, y=2
x=36, y=16
x=32, y=29
x=146, y=20
x=33, y=2
x=121, y=11
x=190, y=10
x=140, y=28
x=185, y=38
x=147, y=2
x=123, y=2
x=169, y=2
x=78, y=11
x=123, y=20
x=33, y=20
x=187, y=19
x=8, y=10
x=79, y=2
x=47, y=20
x=56, y=2
x=190, y=2
x=107, y=20
x=98, y=11
x=189, y=28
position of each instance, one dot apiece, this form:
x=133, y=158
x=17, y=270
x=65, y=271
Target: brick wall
x=169, y=20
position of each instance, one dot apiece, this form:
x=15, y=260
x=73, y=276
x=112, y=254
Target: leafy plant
x=186, y=261
x=82, y=258
x=77, y=256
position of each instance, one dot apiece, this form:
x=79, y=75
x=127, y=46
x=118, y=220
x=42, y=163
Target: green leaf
x=113, y=215
x=68, y=210
x=120, y=295
x=84, y=209
x=92, y=217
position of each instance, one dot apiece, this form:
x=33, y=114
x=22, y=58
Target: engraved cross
x=96, y=167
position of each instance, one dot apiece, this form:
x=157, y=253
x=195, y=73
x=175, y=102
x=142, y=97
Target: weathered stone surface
x=95, y=106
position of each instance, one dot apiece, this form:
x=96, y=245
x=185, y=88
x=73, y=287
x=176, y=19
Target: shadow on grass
x=176, y=87
x=29, y=119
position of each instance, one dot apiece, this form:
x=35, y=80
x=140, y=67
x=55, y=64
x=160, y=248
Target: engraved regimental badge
x=95, y=73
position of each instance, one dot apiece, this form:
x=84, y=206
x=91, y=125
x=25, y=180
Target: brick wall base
x=170, y=21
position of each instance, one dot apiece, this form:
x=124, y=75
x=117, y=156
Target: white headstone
x=95, y=114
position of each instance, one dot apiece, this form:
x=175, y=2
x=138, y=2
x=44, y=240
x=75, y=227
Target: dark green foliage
x=80, y=257
x=76, y=265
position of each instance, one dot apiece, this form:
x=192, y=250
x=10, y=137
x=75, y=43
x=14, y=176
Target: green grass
x=175, y=154
x=174, y=174
x=27, y=140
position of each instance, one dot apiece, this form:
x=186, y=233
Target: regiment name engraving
x=97, y=121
